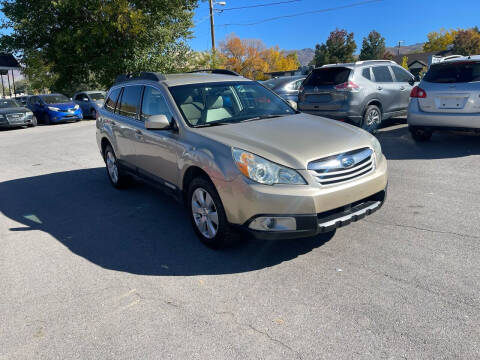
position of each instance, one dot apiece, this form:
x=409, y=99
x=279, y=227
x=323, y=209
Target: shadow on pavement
x=138, y=230
x=397, y=144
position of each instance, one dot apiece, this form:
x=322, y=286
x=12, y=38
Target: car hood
x=14, y=110
x=63, y=106
x=293, y=140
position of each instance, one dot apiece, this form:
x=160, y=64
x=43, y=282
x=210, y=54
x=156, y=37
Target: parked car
x=54, y=108
x=23, y=100
x=89, y=102
x=239, y=156
x=13, y=114
x=448, y=97
x=364, y=93
x=285, y=86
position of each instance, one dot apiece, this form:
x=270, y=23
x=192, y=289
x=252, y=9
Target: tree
x=339, y=48
x=405, y=62
x=467, y=42
x=439, y=41
x=252, y=59
x=373, y=47
x=89, y=42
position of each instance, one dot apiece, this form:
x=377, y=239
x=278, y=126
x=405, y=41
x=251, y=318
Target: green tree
x=467, y=42
x=89, y=42
x=339, y=48
x=405, y=62
x=439, y=40
x=373, y=47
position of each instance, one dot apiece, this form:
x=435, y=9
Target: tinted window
x=97, y=96
x=8, y=103
x=154, y=104
x=453, y=72
x=366, y=73
x=112, y=100
x=401, y=75
x=327, y=76
x=130, y=101
x=81, y=97
x=382, y=74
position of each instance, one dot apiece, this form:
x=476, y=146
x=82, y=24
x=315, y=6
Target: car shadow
x=138, y=230
x=397, y=144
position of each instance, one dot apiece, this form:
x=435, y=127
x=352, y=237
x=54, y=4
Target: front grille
x=340, y=168
x=16, y=117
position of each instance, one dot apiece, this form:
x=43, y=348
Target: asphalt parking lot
x=87, y=271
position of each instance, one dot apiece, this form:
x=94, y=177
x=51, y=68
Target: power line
x=261, y=5
x=303, y=13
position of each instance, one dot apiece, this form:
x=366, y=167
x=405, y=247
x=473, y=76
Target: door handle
x=379, y=88
x=138, y=134
x=402, y=88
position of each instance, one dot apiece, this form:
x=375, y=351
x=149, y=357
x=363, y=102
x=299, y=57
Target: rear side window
x=327, y=76
x=401, y=75
x=130, y=101
x=382, y=74
x=112, y=100
x=366, y=73
x=460, y=72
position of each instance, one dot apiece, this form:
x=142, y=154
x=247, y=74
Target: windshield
x=97, y=96
x=8, y=103
x=55, y=99
x=459, y=72
x=230, y=102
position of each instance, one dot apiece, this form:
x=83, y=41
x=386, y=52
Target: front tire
x=34, y=122
x=372, y=118
x=420, y=134
x=117, y=178
x=207, y=215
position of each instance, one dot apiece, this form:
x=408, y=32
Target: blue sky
x=408, y=20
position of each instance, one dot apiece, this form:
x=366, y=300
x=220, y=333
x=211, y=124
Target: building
x=417, y=62
x=8, y=64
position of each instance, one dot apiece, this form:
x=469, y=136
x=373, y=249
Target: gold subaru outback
x=240, y=157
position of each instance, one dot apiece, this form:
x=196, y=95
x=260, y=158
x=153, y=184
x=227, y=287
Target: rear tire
x=207, y=215
x=117, y=178
x=420, y=134
x=372, y=118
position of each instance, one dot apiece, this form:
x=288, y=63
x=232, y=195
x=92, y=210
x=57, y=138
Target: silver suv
x=448, y=97
x=239, y=156
x=364, y=93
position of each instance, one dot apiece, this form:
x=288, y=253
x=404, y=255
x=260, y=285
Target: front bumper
x=12, y=124
x=417, y=117
x=61, y=116
x=244, y=200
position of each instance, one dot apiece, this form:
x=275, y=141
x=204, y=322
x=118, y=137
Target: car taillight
x=347, y=86
x=418, y=92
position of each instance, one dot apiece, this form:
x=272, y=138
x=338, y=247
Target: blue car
x=54, y=108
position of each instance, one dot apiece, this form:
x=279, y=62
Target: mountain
x=408, y=49
x=304, y=55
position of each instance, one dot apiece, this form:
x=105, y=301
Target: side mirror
x=292, y=103
x=157, y=122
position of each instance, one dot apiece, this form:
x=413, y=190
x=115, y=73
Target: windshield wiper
x=210, y=124
x=261, y=117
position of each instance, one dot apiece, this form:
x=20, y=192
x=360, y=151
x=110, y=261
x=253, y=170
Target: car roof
x=360, y=63
x=461, y=59
x=90, y=92
x=200, y=77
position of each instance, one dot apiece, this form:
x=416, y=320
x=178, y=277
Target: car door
x=83, y=101
x=405, y=82
x=37, y=107
x=387, y=90
x=157, y=149
x=124, y=124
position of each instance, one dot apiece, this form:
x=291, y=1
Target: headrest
x=214, y=102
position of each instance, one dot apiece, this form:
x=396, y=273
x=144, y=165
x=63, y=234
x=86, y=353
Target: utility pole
x=212, y=27
x=399, y=43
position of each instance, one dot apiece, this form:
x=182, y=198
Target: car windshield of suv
x=230, y=102
x=456, y=72
x=55, y=99
x=327, y=76
x=8, y=103
x=97, y=96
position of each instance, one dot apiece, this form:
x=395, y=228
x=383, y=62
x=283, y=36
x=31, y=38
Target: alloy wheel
x=112, y=167
x=373, y=117
x=205, y=213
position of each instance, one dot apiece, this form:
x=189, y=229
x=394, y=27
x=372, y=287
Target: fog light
x=267, y=223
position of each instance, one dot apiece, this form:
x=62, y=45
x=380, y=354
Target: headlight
x=77, y=107
x=53, y=108
x=377, y=148
x=29, y=114
x=263, y=171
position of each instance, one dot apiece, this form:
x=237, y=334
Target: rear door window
x=327, y=76
x=130, y=101
x=366, y=73
x=112, y=99
x=401, y=75
x=382, y=74
x=459, y=72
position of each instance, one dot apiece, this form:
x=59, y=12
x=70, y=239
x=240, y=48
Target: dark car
x=285, y=86
x=364, y=93
x=13, y=114
x=54, y=108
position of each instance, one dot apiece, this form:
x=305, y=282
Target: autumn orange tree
x=252, y=59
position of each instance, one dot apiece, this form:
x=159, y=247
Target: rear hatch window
x=327, y=77
x=457, y=72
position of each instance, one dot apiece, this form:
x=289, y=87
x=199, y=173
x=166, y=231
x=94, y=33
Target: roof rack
x=374, y=61
x=216, y=71
x=144, y=75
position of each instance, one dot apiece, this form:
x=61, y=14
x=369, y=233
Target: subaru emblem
x=347, y=161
